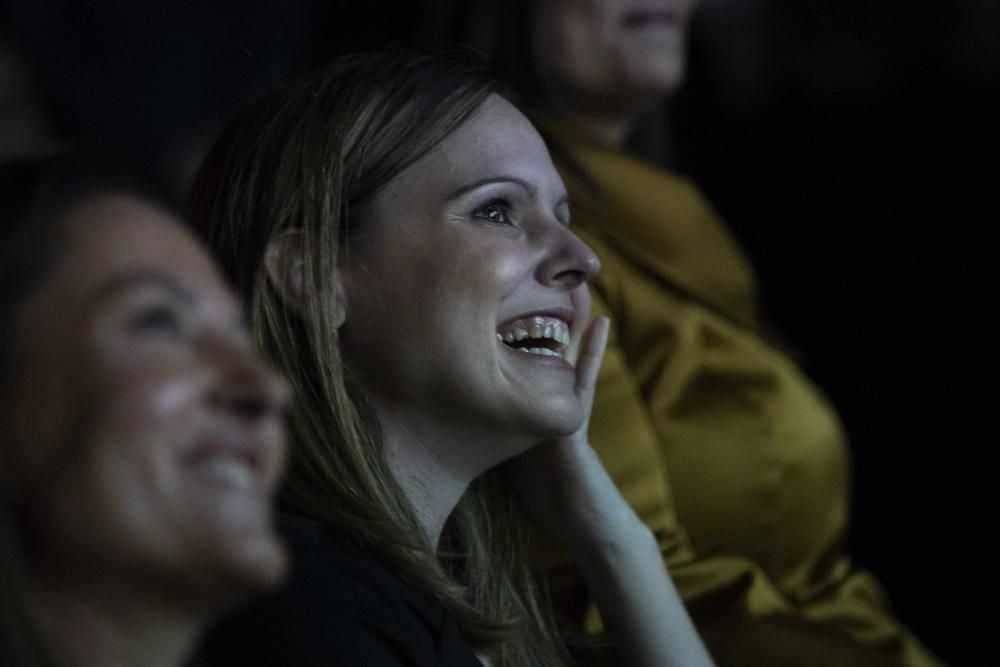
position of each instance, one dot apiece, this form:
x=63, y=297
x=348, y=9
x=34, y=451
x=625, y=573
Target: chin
x=262, y=564
x=243, y=568
x=659, y=75
x=560, y=418
x=664, y=81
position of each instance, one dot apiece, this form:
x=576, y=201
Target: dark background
x=848, y=143
x=851, y=147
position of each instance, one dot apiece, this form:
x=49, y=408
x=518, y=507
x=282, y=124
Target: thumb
x=589, y=362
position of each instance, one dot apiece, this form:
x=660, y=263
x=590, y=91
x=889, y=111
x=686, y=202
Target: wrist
x=614, y=540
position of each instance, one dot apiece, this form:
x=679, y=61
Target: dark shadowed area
x=850, y=146
x=848, y=143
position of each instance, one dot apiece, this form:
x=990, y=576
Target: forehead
x=109, y=235
x=497, y=139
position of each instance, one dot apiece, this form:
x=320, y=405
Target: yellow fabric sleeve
x=735, y=460
x=740, y=612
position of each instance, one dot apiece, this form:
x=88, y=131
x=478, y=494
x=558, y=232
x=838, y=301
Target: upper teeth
x=537, y=327
x=235, y=472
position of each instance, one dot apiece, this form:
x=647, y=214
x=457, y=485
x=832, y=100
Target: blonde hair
x=309, y=158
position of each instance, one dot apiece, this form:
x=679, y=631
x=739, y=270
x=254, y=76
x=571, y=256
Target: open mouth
x=542, y=335
x=639, y=18
x=237, y=466
x=232, y=471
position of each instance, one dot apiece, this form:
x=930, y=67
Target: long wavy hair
x=308, y=159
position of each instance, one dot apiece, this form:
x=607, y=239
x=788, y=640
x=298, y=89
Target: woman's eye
x=495, y=211
x=161, y=322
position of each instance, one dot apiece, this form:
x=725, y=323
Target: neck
x=607, y=122
x=612, y=132
x=606, y=118
x=422, y=457
x=98, y=624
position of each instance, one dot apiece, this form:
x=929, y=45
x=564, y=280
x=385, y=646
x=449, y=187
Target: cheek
x=142, y=418
x=165, y=400
x=452, y=270
x=581, y=303
x=495, y=273
x=142, y=427
x=577, y=44
x=151, y=397
x=97, y=495
x=131, y=441
x=42, y=412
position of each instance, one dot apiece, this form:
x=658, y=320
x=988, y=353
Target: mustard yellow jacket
x=722, y=445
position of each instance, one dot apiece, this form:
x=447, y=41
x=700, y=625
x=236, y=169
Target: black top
x=340, y=606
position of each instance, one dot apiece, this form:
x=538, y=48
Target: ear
x=284, y=261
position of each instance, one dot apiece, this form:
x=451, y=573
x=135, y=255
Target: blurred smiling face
x=593, y=49
x=464, y=302
x=147, y=437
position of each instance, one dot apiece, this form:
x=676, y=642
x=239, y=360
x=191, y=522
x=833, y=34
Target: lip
x=642, y=18
x=242, y=456
x=231, y=447
x=538, y=359
x=565, y=313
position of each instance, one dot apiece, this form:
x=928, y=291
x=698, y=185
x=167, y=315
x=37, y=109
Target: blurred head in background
x=616, y=55
x=143, y=438
x=600, y=64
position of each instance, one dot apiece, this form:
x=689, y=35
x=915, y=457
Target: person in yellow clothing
x=722, y=445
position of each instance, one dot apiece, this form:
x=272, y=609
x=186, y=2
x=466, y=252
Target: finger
x=589, y=364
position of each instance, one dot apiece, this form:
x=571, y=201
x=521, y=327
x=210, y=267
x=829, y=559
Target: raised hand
x=561, y=484
x=565, y=490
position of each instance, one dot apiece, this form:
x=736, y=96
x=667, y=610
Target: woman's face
x=147, y=437
x=462, y=305
x=610, y=51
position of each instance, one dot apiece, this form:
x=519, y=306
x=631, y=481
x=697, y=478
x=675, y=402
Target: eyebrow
x=132, y=279
x=523, y=184
x=164, y=281
x=465, y=189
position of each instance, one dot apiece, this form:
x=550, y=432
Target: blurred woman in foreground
x=142, y=437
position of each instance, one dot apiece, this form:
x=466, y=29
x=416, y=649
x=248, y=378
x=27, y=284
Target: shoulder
x=327, y=568
x=340, y=605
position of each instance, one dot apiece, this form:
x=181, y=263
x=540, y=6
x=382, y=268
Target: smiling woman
x=402, y=238
x=142, y=436
x=728, y=451
x=487, y=199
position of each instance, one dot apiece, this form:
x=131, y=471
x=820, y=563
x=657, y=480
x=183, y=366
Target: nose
x=570, y=262
x=249, y=388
